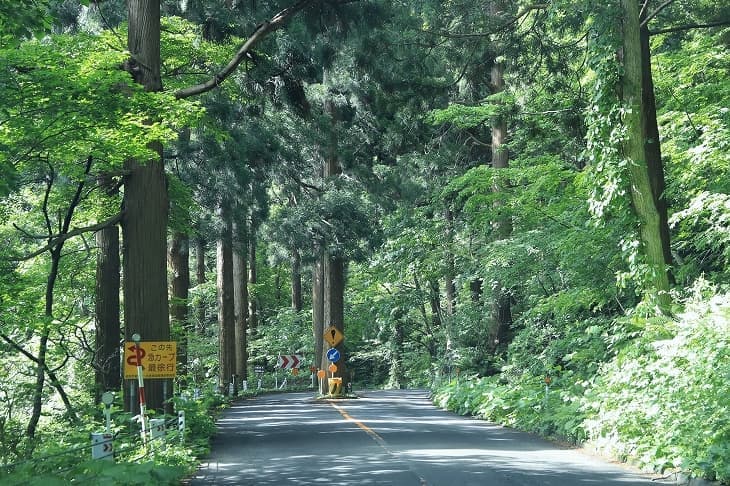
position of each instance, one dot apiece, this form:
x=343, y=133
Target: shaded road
x=387, y=438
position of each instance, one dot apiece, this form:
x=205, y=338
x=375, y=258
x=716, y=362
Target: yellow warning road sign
x=333, y=336
x=158, y=359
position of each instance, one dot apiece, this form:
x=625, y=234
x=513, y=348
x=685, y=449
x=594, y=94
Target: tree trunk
x=334, y=308
x=449, y=285
x=475, y=287
x=240, y=289
x=429, y=341
x=653, y=148
x=179, y=260
x=334, y=265
x=318, y=308
x=296, y=280
x=146, y=310
x=108, y=327
x=435, y=301
x=143, y=43
x=643, y=198
x=41, y=360
x=39, y=384
x=501, y=318
x=226, y=309
x=253, y=316
x=397, y=379
x=200, y=278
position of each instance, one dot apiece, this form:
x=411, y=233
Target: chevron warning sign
x=289, y=361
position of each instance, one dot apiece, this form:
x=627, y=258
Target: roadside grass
x=660, y=399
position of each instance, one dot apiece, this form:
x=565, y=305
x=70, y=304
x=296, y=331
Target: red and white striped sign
x=289, y=361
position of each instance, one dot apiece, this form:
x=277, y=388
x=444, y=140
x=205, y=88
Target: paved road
x=387, y=438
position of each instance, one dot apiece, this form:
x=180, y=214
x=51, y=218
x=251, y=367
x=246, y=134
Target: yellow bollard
x=335, y=385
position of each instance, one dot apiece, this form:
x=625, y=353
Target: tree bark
x=334, y=309
x=501, y=318
x=144, y=225
x=435, y=301
x=397, y=376
x=253, y=316
x=296, y=280
x=449, y=276
x=653, y=149
x=643, y=197
x=200, y=278
x=108, y=326
x=240, y=289
x=318, y=308
x=55, y=253
x=334, y=265
x=226, y=309
x=143, y=43
x=179, y=260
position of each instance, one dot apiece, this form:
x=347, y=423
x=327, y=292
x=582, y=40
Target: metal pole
x=140, y=379
x=131, y=394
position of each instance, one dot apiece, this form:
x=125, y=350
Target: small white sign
x=157, y=428
x=102, y=446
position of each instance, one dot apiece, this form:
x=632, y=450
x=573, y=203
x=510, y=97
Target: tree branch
x=505, y=25
x=655, y=12
x=680, y=28
x=55, y=241
x=244, y=52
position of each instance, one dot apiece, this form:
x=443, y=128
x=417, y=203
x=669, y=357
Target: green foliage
x=63, y=456
x=416, y=203
x=285, y=332
x=22, y=18
x=695, y=124
x=67, y=98
x=495, y=106
x=659, y=399
x=663, y=402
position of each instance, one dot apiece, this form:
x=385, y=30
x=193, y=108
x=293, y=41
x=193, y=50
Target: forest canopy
x=522, y=206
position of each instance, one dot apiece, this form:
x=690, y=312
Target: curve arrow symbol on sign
x=289, y=361
x=333, y=355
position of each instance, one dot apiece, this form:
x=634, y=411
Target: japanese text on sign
x=158, y=359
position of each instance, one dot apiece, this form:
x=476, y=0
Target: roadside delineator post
x=321, y=375
x=181, y=424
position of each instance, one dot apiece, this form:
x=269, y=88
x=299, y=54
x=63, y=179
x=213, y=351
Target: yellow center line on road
x=374, y=435
x=364, y=427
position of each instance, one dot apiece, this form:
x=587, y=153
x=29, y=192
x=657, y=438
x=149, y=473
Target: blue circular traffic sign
x=333, y=355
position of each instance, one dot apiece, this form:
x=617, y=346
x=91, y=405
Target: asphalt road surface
x=387, y=438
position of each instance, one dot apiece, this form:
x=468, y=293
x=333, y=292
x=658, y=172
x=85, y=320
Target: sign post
x=140, y=379
x=107, y=398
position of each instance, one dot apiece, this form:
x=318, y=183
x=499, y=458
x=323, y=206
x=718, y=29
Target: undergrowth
x=64, y=456
x=660, y=399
